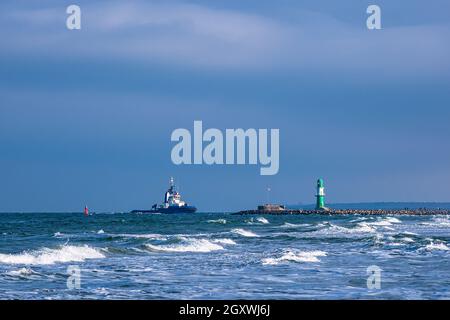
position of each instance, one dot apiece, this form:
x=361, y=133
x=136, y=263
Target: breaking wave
x=221, y=221
x=393, y=220
x=153, y=236
x=63, y=254
x=385, y=222
x=22, y=272
x=437, y=246
x=262, y=220
x=361, y=227
x=224, y=241
x=187, y=245
x=244, y=233
x=299, y=256
x=439, y=222
x=294, y=225
x=259, y=220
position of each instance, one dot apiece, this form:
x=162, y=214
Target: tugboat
x=172, y=203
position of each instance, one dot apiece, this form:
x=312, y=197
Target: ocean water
x=222, y=256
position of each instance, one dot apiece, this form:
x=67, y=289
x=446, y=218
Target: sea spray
x=295, y=256
x=187, y=245
x=65, y=253
x=244, y=233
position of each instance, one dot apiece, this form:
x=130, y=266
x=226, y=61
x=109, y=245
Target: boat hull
x=169, y=210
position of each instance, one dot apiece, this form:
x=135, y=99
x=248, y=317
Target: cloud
x=188, y=35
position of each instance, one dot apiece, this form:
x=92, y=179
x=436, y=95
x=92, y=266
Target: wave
x=359, y=219
x=65, y=253
x=437, y=246
x=262, y=220
x=224, y=241
x=361, y=227
x=221, y=221
x=393, y=220
x=58, y=234
x=22, y=272
x=100, y=231
x=259, y=220
x=408, y=233
x=382, y=223
x=299, y=256
x=440, y=222
x=244, y=233
x=329, y=230
x=386, y=222
x=153, y=236
x=187, y=245
x=294, y=225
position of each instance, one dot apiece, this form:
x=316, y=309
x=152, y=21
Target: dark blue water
x=220, y=256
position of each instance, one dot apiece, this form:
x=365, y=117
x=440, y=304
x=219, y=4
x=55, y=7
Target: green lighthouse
x=320, y=203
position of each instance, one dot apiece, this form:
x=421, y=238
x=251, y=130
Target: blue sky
x=86, y=116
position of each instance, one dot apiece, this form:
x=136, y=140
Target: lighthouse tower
x=320, y=195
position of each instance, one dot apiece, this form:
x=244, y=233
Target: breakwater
x=406, y=211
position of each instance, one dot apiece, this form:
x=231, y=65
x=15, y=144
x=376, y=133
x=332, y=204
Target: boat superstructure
x=172, y=203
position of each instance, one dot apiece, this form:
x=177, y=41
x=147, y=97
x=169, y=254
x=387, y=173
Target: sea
x=223, y=256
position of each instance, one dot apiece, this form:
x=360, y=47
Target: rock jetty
x=281, y=210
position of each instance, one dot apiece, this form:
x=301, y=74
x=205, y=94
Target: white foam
x=262, y=220
x=300, y=256
x=153, y=236
x=393, y=220
x=407, y=239
x=100, y=231
x=63, y=254
x=222, y=221
x=187, y=245
x=361, y=227
x=224, y=241
x=437, y=246
x=244, y=233
x=381, y=223
x=332, y=230
x=58, y=234
x=21, y=272
x=359, y=219
x=293, y=225
x=442, y=221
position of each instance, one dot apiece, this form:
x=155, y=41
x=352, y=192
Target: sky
x=86, y=115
